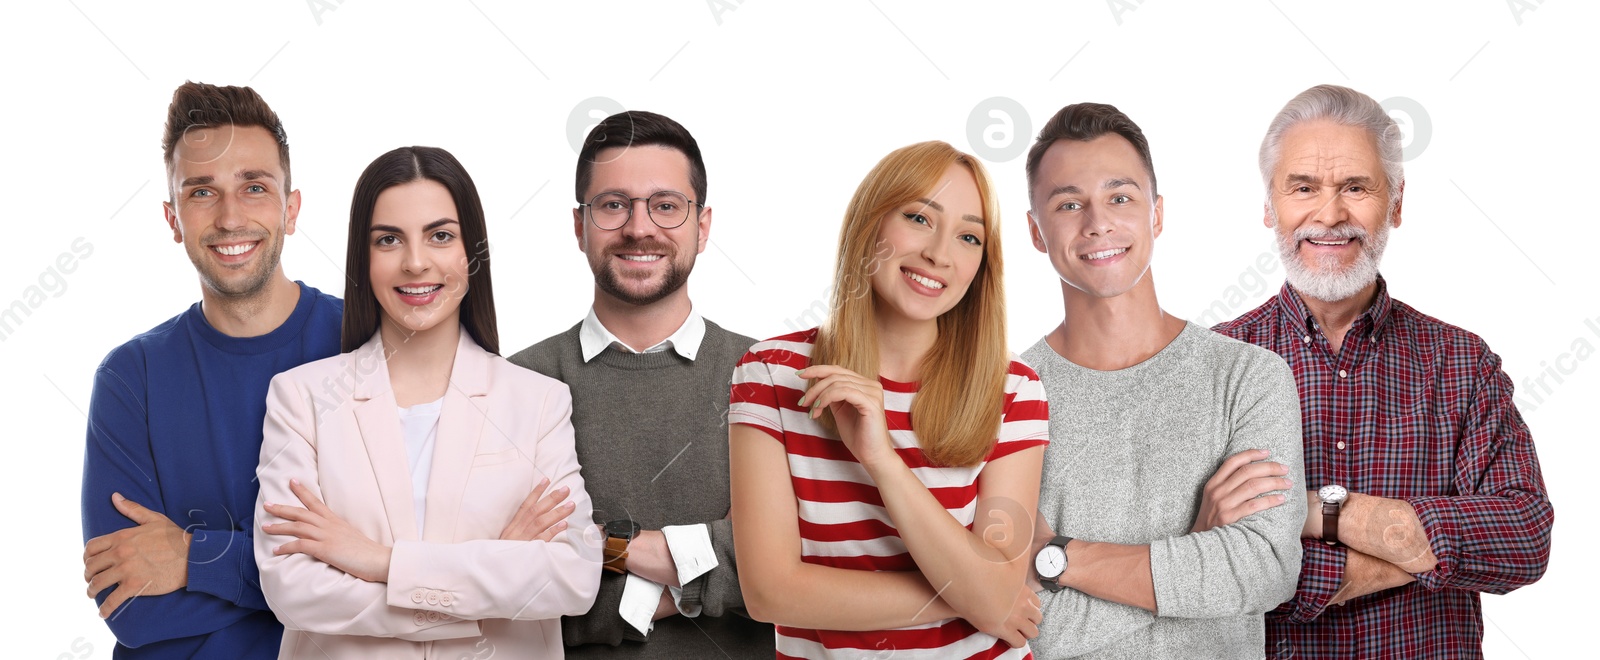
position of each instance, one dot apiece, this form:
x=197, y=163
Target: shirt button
x=1306, y=339
x=1340, y=445
x=1342, y=374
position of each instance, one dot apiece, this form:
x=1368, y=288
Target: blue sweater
x=175, y=425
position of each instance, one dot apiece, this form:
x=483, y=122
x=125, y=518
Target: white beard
x=1323, y=279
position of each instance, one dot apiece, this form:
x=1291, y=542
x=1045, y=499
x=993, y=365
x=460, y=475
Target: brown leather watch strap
x=1330, y=522
x=616, y=555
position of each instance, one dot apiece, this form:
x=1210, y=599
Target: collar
x=593, y=337
x=1370, y=322
x=368, y=367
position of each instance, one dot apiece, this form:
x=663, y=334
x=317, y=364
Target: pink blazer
x=454, y=590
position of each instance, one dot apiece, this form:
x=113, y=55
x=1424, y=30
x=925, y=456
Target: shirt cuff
x=1441, y=523
x=691, y=550
x=639, y=599
x=1321, y=574
x=214, y=563
x=677, y=601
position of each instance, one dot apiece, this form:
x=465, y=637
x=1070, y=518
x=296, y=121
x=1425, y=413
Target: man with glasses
x=650, y=380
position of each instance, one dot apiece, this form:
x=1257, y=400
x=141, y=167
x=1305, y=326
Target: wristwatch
x=1051, y=562
x=1333, y=498
x=618, y=534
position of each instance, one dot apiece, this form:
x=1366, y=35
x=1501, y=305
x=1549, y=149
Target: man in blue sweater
x=176, y=415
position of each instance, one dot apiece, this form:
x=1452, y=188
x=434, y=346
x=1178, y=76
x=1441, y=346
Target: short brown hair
x=638, y=128
x=1085, y=122
x=199, y=105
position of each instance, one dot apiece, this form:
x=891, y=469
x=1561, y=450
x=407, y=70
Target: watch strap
x=616, y=554
x=1330, y=522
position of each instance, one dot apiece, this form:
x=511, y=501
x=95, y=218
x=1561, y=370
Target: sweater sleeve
x=1251, y=566
x=118, y=458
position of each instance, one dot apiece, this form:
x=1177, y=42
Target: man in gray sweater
x=1172, y=534
x=650, y=381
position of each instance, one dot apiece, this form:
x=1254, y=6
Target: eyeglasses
x=612, y=210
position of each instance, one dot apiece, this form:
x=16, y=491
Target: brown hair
x=631, y=128
x=400, y=166
x=198, y=105
x=961, y=392
x=1085, y=122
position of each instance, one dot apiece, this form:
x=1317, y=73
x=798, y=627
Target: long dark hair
x=400, y=166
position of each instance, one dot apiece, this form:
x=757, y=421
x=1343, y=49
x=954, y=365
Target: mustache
x=1337, y=232
x=643, y=245
x=232, y=237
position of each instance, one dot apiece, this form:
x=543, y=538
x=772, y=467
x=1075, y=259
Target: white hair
x=1346, y=107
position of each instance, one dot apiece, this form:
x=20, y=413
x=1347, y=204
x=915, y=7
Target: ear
x=291, y=211
x=705, y=229
x=577, y=227
x=1038, y=238
x=1156, y=219
x=1266, y=216
x=1399, y=200
x=172, y=221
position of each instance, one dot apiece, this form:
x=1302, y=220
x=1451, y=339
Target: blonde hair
x=958, y=405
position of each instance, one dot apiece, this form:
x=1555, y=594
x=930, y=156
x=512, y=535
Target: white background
x=792, y=105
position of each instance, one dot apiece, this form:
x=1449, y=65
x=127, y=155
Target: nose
x=639, y=224
x=936, y=250
x=1095, y=224
x=1332, y=211
x=229, y=216
x=414, y=261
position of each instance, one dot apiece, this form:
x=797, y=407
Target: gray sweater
x=652, y=437
x=1129, y=453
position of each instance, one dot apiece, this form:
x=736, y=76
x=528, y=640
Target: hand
x=1022, y=624
x=147, y=560
x=1239, y=489
x=857, y=407
x=321, y=534
x=650, y=557
x=539, y=518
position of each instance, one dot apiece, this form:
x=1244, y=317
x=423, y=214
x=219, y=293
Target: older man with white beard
x=1429, y=490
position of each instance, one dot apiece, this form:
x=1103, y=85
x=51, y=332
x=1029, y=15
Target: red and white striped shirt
x=843, y=522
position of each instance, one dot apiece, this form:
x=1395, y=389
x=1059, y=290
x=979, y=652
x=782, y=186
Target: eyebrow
x=932, y=204
x=1309, y=178
x=1118, y=183
x=243, y=175
x=428, y=227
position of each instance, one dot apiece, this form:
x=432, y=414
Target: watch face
x=622, y=529
x=1050, y=561
x=1333, y=494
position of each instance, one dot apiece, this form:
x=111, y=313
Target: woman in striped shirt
x=858, y=532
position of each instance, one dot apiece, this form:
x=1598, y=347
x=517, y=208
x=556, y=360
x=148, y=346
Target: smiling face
x=419, y=262
x=1328, y=205
x=1094, y=214
x=928, y=250
x=229, y=209
x=641, y=263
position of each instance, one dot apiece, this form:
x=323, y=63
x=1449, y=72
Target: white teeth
x=641, y=257
x=419, y=290
x=234, y=250
x=1105, y=253
x=1317, y=242
x=932, y=284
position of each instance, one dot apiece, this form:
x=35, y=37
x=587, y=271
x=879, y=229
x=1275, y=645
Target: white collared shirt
x=690, y=545
x=593, y=337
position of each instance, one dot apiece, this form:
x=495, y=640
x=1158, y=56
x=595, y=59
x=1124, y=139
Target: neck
x=1107, y=334
x=1335, y=318
x=252, y=315
x=420, y=362
x=643, y=326
x=902, y=343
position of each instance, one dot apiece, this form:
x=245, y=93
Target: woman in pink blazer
x=420, y=495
